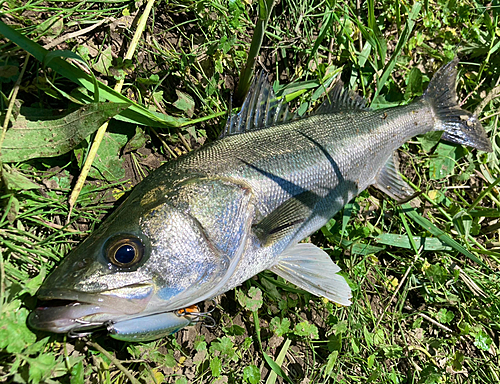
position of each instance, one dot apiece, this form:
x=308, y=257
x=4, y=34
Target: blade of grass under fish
x=265, y=9
x=346, y=215
x=279, y=360
x=269, y=360
x=429, y=226
x=325, y=28
x=483, y=194
x=408, y=232
x=405, y=35
x=409, y=241
x=102, y=130
x=136, y=112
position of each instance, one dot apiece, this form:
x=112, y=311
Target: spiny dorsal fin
x=261, y=109
x=340, y=99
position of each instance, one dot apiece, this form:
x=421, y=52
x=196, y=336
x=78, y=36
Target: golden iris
x=124, y=250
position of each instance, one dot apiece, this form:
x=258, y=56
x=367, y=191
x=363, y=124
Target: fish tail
x=458, y=125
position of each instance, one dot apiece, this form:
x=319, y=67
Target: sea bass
x=203, y=224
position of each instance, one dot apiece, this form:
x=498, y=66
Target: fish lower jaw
x=64, y=318
x=65, y=311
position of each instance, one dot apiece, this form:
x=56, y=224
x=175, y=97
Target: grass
x=426, y=306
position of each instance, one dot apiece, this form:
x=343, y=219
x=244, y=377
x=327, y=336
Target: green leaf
x=276, y=368
x=463, y=223
x=306, y=329
x=392, y=351
x=136, y=142
x=280, y=327
x=273, y=375
x=77, y=374
x=442, y=165
x=215, y=366
x=15, y=181
x=402, y=241
x=253, y=301
x=251, y=374
x=226, y=347
x=429, y=140
x=104, y=62
x=482, y=340
x=168, y=359
x=32, y=285
x=414, y=84
x=235, y=330
x=444, y=316
x=37, y=347
x=107, y=163
x=40, y=367
x=370, y=361
x=185, y=103
x=51, y=27
x=430, y=375
x=8, y=73
x=48, y=138
x=330, y=363
x=15, y=336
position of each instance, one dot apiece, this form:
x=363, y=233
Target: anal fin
x=389, y=181
x=311, y=269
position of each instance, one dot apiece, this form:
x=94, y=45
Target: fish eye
x=124, y=250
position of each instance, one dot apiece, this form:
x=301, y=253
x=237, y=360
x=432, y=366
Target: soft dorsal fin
x=260, y=109
x=340, y=99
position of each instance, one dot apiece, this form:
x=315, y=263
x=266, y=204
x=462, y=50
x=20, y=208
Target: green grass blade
x=265, y=9
x=269, y=360
x=405, y=35
x=408, y=232
x=412, y=242
x=427, y=225
x=279, y=360
x=136, y=112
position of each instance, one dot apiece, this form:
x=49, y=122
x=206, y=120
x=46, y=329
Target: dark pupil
x=125, y=254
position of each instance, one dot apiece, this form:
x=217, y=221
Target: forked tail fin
x=459, y=126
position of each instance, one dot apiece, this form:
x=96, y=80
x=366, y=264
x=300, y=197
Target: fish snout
x=63, y=311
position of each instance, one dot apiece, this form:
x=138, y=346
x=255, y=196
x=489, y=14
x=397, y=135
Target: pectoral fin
x=390, y=182
x=311, y=269
x=285, y=219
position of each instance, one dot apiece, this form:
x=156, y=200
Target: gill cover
x=196, y=251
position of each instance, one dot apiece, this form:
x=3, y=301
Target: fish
x=201, y=225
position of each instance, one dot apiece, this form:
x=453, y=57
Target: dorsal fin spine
x=261, y=108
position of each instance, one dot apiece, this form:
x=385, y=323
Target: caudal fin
x=459, y=125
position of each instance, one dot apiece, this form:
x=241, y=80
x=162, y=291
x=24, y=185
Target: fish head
x=145, y=259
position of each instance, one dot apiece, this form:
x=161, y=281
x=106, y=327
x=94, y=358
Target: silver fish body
x=199, y=226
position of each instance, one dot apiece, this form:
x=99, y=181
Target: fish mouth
x=62, y=311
